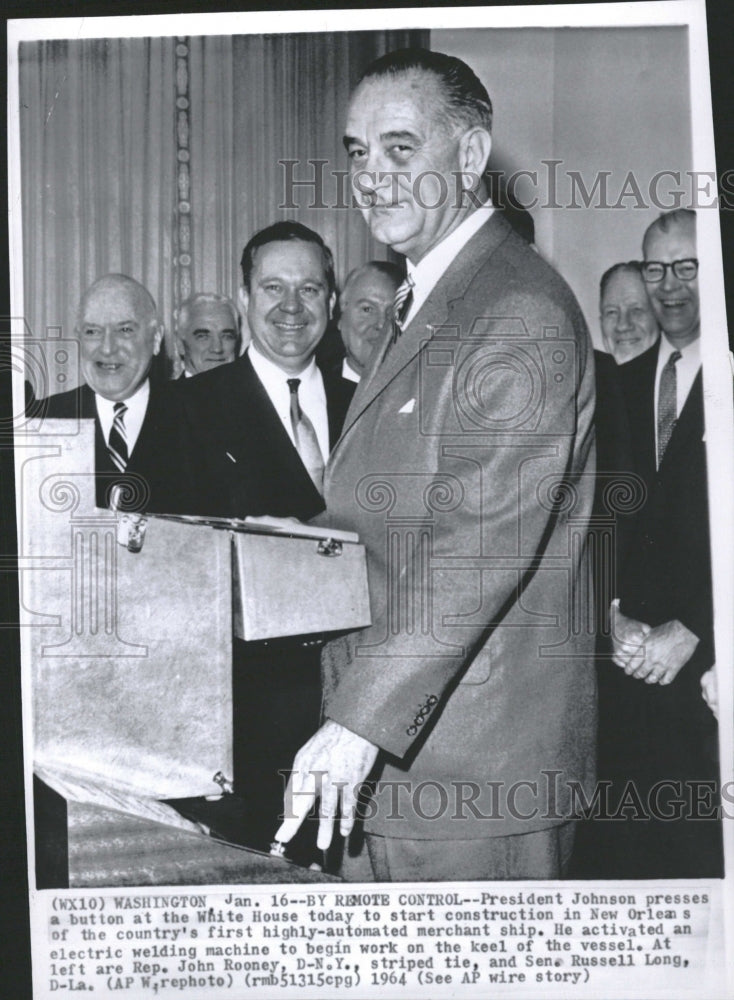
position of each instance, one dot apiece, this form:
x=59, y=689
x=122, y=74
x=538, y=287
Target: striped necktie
x=117, y=444
x=307, y=444
x=667, y=403
x=401, y=305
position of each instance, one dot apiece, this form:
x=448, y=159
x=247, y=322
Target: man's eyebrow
x=349, y=140
x=399, y=134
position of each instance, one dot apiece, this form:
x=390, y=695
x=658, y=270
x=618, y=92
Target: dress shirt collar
x=273, y=377
x=137, y=404
x=428, y=271
x=311, y=394
x=348, y=372
x=686, y=369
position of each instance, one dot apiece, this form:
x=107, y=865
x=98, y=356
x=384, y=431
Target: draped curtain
x=102, y=147
x=98, y=178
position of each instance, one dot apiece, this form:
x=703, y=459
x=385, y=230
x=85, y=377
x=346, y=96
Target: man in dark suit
x=207, y=332
x=663, y=620
x=365, y=315
x=465, y=466
x=247, y=457
x=258, y=433
x=628, y=323
x=135, y=427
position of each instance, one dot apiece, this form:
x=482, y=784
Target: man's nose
x=669, y=279
x=624, y=322
x=291, y=301
x=373, y=175
x=108, y=342
x=385, y=323
x=216, y=346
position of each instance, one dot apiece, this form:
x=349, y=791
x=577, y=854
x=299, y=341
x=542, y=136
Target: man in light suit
x=136, y=432
x=466, y=466
x=663, y=620
x=250, y=454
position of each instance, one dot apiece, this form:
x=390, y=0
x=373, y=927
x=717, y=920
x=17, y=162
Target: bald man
x=119, y=334
x=366, y=313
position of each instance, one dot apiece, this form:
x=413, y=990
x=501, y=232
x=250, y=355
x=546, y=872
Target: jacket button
x=424, y=712
x=432, y=699
x=418, y=720
x=411, y=730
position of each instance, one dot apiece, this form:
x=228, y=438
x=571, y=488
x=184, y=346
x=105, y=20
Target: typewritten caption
x=388, y=941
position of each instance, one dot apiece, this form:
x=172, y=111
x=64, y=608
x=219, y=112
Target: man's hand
x=710, y=690
x=332, y=766
x=628, y=636
x=667, y=648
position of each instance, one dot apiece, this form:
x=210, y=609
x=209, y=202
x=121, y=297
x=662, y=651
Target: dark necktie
x=307, y=444
x=401, y=306
x=667, y=403
x=117, y=444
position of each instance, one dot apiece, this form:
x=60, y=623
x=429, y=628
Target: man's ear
x=474, y=149
x=332, y=303
x=158, y=338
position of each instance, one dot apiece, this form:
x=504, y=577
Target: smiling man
x=663, y=621
x=258, y=434
x=471, y=677
x=366, y=313
x=259, y=430
x=207, y=332
x=628, y=323
x=119, y=334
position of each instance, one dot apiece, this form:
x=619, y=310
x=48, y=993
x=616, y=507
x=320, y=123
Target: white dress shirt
x=311, y=395
x=136, y=405
x=427, y=272
x=686, y=369
x=348, y=372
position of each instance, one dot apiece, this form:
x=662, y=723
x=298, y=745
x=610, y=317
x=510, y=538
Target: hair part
x=183, y=313
x=466, y=101
x=385, y=267
x=679, y=218
x=283, y=232
x=625, y=267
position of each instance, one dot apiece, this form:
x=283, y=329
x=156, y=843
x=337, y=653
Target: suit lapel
x=639, y=388
x=271, y=436
x=391, y=359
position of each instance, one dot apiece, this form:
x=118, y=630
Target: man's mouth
x=674, y=303
x=108, y=366
x=290, y=327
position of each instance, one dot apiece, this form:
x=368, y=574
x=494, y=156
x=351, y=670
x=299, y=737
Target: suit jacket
x=466, y=465
x=241, y=460
x=667, y=571
x=155, y=459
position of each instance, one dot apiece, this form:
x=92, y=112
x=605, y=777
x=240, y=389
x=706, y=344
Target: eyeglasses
x=684, y=270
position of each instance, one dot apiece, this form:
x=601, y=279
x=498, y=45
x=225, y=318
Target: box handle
x=329, y=547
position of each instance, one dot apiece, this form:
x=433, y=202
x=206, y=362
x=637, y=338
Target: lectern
x=127, y=646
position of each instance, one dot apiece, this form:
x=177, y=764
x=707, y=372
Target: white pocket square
x=409, y=406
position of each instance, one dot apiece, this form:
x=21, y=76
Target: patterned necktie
x=667, y=403
x=117, y=444
x=307, y=444
x=401, y=306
